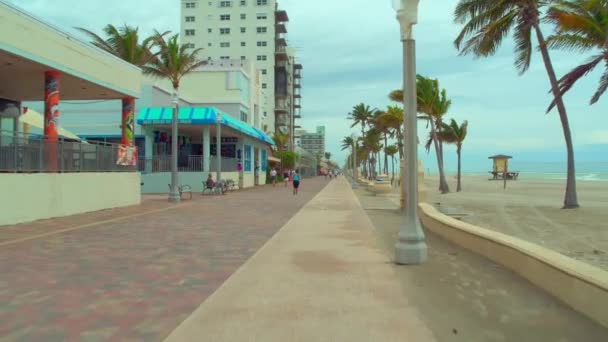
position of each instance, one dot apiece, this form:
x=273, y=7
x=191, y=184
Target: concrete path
x=320, y=278
x=132, y=274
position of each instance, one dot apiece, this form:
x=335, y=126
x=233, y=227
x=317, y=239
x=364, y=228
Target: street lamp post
x=174, y=192
x=218, y=147
x=354, y=184
x=411, y=247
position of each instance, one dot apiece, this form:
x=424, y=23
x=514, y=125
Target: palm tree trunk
x=458, y=186
x=385, y=156
x=443, y=184
x=570, y=198
x=400, y=144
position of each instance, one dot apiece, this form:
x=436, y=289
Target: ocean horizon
x=585, y=171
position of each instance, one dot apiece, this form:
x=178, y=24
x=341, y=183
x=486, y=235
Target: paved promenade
x=132, y=274
x=320, y=278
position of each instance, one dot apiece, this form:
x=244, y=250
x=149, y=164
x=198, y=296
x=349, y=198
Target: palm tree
x=454, y=134
x=434, y=104
x=393, y=118
x=347, y=143
x=280, y=140
x=172, y=62
x=327, y=156
x=361, y=115
x=124, y=42
x=391, y=151
x=581, y=25
x=486, y=24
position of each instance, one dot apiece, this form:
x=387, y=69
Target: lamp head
x=407, y=15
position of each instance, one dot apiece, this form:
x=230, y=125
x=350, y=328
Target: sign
x=127, y=155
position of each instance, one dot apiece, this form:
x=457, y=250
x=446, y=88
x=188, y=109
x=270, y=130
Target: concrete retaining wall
x=30, y=197
x=158, y=183
x=581, y=286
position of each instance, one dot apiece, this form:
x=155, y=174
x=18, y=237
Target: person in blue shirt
x=296, y=182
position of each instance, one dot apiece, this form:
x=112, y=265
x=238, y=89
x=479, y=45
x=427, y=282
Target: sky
x=351, y=53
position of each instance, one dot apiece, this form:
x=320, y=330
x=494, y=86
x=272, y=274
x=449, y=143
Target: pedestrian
x=296, y=182
x=273, y=177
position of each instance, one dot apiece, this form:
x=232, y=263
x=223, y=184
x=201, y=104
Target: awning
x=198, y=116
x=273, y=159
x=35, y=119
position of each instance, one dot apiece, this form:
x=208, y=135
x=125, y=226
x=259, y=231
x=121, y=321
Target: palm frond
x=568, y=80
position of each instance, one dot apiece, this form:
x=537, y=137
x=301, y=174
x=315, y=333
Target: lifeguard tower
x=500, y=168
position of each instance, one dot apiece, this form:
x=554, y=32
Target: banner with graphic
x=127, y=155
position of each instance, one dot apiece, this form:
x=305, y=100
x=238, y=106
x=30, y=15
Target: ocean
x=585, y=171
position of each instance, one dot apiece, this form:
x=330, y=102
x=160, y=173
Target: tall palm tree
x=173, y=62
x=327, y=156
x=361, y=114
x=453, y=133
x=392, y=118
x=486, y=24
x=124, y=42
x=434, y=104
x=581, y=25
x=391, y=151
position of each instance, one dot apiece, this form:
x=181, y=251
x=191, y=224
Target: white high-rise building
x=251, y=30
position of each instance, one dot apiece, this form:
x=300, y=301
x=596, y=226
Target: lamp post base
x=174, y=197
x=411, y=249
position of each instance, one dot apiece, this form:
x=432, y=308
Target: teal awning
x=198, y=116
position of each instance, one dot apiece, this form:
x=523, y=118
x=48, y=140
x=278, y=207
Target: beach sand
x=531, y=210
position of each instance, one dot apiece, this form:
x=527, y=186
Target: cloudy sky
x=351, y=53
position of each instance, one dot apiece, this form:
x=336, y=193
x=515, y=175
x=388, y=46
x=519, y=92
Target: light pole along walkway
x=121, y=275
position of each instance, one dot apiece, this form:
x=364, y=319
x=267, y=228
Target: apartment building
x=313, y=142
x=252, y=30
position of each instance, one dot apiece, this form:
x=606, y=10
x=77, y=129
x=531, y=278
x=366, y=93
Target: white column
x=206, y=149
x=149, y=148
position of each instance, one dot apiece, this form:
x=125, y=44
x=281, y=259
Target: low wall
x=581, y=286
x=30, y=197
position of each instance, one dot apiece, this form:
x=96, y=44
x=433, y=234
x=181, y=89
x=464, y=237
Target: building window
x=264, y=85
x=209, y=44
x=243, y=16
x=224, y=17
x=243, y=116
x=262, y=2
x=190, y=32
x=262, y=16
x=243, y=3
x=243, y=44
x=247, y=158
x=189, y=45
x=243, y=30
x=264, y=71
x=225, y=30
x=243, y=58
x=225, y=44
x=190, y=4
x=262, y=44
x=261, y=57
x=262, y=29
x=225, y=3
x=224, y=57
x=209, y=30
x=190, y=19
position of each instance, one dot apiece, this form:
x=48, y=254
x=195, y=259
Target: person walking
x=273, y=177
x=296, y=182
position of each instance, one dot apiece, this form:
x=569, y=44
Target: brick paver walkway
x=137, y=278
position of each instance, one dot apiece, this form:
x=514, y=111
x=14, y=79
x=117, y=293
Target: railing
x=190, y=163
x=32, y=154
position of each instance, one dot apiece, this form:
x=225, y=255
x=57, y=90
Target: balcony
x=297, y=96
x=280, y=28
x=281, y=41
x=281, y=16
x=298, y=66
x=280, y=53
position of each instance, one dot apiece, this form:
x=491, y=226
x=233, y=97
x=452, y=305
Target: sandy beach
x=530, y=209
